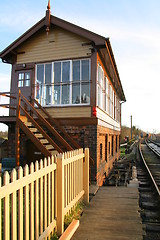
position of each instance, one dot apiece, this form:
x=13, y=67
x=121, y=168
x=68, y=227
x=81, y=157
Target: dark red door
x=24, y=82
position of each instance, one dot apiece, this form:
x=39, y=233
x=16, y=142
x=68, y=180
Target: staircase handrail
x=41, y=130
x=46, y=123
x=55, y=122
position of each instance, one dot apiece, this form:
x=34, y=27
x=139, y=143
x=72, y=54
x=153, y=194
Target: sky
x=134, y=31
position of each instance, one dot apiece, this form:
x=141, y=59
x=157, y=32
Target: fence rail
x=35, y=200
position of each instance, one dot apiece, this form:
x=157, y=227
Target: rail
x=148, y=170
x=153, y=149
x=53, y=121
x=34, y=200
x=8, y=95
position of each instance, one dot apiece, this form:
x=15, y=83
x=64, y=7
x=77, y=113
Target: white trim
x=60, y=84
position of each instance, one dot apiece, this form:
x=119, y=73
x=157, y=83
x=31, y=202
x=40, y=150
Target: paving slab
x=112, y=214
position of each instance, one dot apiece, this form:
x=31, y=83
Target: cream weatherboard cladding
x=69, y=112
x=60, y=44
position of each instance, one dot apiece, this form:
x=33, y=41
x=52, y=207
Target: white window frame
x=42, y=99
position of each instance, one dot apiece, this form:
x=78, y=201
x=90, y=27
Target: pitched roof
x=97, y=41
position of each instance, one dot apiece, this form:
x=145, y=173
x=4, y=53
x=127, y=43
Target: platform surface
x=112, y=214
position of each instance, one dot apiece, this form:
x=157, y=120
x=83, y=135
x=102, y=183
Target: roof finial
x=49, y=5
x=48, y=15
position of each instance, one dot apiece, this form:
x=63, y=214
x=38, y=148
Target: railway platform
x=112, y=214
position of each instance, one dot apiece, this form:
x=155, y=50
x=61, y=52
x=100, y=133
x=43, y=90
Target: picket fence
x=35, y=200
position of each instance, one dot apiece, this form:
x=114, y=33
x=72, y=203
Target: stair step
x=28, y=124
x=23, y=119
x=49, y=147
x=33, y=129
x=43, y=141
x=39, y=135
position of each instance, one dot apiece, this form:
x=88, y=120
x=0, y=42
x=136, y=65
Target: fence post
x=86, y=176
x=60, y=194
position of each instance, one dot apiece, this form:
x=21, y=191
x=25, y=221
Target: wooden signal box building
x=65, y=93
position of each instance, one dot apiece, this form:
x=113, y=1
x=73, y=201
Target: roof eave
x=115, y=67
x=97, y=39
x=22, y=38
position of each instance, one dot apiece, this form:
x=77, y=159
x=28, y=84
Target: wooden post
x=17, y=146
x=20, y=206
x=17, y=131
x=14, y=208
x=60, y=194
x=6, y=210
x=86, y=176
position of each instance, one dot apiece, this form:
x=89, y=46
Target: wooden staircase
x=39, y=127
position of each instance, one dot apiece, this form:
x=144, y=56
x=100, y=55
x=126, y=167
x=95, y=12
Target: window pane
x=85, y=69
x=26, y=83
x=85, y=93
x=27, y=80
x=76, y=93
x=27, y=76
x=48, y=95
x=65, y=94
x=38, y=91
x=57, y=72
x=65, y=71
x=99, y=74
x=104, y=101
x=40, y=73
x=56, y=94
x=76, y=70
x=20, y=76
x=99, y=96
x=106, y=85
x=48, y=69
x=20, y=83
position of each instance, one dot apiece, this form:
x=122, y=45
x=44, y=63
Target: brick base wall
x=86, y=136
x=102, y=142
x=107, y=151
x=94, y=137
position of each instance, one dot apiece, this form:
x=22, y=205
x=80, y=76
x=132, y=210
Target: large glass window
x=106, y=80
x=100, y=86
x=102, y=89
x=43, y=91
x=48, y=88
x=80, y=83
x=110, y=100
x=63, y=82
x=106, y=97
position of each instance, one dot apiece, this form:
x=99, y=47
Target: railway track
x=148, y=173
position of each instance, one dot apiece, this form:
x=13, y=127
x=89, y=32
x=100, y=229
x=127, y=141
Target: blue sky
x=134, y=31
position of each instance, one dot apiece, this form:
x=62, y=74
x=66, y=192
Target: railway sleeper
x=153, y=227
x=149, y=205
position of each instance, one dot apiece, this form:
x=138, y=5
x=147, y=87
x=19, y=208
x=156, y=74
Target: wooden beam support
x=17, y=131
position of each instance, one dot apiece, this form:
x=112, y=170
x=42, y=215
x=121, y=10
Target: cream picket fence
x=35, y=200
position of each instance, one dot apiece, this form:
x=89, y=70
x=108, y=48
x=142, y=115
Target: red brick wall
x=104, y=165
x=86, y=136
x=92, y=136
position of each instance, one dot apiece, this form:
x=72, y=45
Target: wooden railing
x=8, y=95
x=34, y=200
x=55, y=122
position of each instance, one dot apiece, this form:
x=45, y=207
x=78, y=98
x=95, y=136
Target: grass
x=54, y=236
x=75, y=214
x=122, y=151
